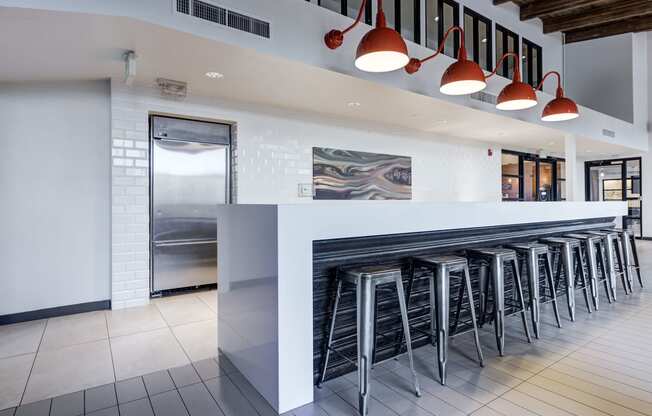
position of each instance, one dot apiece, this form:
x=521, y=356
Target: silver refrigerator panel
x=189, y=180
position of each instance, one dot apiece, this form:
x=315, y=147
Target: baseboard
x=15, y=318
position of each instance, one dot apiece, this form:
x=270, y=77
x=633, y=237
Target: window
x=528, y=177
x=441, y=15
x=506, y=41
x=405, y=17
x=346, y=7
x=532, y=63
x=477, y=37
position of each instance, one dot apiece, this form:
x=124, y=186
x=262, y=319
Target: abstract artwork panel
x=345, y=174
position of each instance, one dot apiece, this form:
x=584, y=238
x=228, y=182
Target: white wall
x=274, y=155
x=599, y=75
x=54, y=182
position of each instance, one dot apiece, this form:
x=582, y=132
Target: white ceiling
x=39, y=45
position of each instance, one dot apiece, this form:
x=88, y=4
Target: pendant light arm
x=560, y=90
x=415, y=64
x=335, y=38
x=517, y=67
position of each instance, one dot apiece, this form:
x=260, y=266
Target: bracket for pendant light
x=382, y=49
x=460, y=78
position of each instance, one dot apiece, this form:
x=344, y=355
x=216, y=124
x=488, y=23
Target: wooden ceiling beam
x=601, y=15
x=636, y=24
x=543, y=8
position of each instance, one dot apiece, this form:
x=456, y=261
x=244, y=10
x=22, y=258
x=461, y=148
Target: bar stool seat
x=570, y=255
x=495, y=259
x=593, y=246
x=533, y=251
x=441, y=268
x=365, y=281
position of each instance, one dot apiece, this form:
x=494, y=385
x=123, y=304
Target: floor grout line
x=29, y=376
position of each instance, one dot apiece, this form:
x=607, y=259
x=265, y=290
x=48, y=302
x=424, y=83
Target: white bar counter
x=265, y=271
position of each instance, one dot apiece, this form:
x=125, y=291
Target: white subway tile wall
x=273, y=154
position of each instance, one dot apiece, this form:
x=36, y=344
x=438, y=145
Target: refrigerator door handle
x=183, y=243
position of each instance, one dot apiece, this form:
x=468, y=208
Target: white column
x=573, y=193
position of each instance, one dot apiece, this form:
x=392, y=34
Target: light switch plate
x=305, y=190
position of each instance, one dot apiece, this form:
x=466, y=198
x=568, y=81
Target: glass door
x=546, y=170
x=617, y=180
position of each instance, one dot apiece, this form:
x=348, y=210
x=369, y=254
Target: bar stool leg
x=467, y=281
x=627, y=259
x=621, y=266
x=552, y=287
x=604, y=267
x=498, y=283
x=482, y=293
x=593, y=273
x=569, y=271
x=636, y=263
x=582, y=273
x=330, y=333
x=406, y=329
x=366, y=293
x=533, y=286
x=519, y=288
x=442, y=307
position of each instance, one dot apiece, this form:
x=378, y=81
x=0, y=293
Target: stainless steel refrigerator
x=189, y=179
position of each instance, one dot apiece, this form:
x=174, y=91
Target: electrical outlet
x=305, y=190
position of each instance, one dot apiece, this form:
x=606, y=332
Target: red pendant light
x=517, y=95
x=382, y=49
x=560, y=108
x=460, y=78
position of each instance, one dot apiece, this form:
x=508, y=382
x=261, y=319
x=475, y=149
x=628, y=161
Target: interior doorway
x=617, y=180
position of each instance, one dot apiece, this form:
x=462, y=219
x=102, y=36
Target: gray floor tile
x=334, y=405
x=309, y=410
x=100, y=397
x=8, y=412
x=111, y=411
x=168, y=404
x=158, y=382
x=208, y=369
x=138, y=408
x=229, y=398
x=226, y=364
x=68, y=405
x=41, y=408
x=257, y=401
x=130, y=390
x=184, y=376
x=199, y=401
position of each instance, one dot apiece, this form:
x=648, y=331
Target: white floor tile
x=70, y=330
x=22, y=338
x=14, y=372
x=146, y=352
x=69, y=369
x=133, y=320
x=184, y=310
x=198, y=339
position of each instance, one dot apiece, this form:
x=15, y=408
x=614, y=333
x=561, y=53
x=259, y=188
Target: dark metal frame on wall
x=522, y=158
x=475, y=53
x=623, y=178
x=531, y=46
x=506, y=33
x=456, y=22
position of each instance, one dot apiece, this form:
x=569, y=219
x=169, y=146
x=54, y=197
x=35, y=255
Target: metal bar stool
x=613, y=251
x=495, y=259
x=533, y=252
x=630, y=255
x=442, y=268
x=570, y=259
x=593, y=247
x=366, y=280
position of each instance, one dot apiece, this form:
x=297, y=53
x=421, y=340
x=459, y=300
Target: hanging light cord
x=415, y=64
x=517, y=69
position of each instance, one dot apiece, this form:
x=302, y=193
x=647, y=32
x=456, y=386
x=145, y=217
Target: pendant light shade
x=462, y=77
x=381, y=50
x=516, y=96
x=560, y=109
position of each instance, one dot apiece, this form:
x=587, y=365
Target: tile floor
x=599, y=365
x=47, y=358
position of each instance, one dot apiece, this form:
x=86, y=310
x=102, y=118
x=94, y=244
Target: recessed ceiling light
x=484, y=40
x=215, y=75
x=353, y=104
x=436, y=18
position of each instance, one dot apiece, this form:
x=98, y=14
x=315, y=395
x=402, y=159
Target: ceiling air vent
x=220, y=15
x=609, y=133
x=484, y=97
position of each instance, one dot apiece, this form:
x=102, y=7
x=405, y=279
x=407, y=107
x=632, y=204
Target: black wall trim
x=15, y=318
